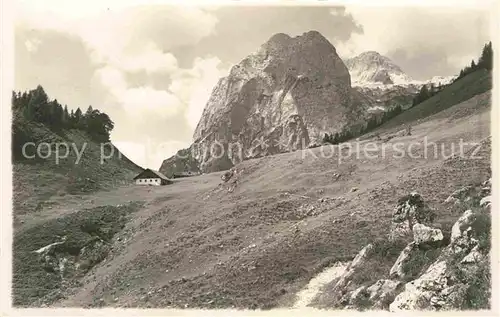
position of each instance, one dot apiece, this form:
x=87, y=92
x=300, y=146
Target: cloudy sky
x=152, y=67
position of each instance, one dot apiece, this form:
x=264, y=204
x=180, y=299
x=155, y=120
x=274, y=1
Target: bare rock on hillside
x=446, y=283
x=351, y=269
x=182, y=162
x=383, y=292
x=423, y=234
x=397, y=270
x=461, y=233
x=474, y=256
x=59, y=257
x=485, y=201
x=227, y=175
x=418, y=293
x=411, y=209
x=459, y=195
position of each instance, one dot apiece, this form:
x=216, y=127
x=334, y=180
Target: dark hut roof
x=149, y=173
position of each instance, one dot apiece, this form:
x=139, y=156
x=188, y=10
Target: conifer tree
x=78, y=120
x=65, y=117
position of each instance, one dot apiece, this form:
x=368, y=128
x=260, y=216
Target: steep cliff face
x=283, y=97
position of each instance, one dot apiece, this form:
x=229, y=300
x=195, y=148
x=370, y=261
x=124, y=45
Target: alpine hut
x=151, y=177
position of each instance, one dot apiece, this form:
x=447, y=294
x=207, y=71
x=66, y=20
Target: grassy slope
x=38, y=183
x=256, y=246
x=42, y=186
x=465, y=88
x=198, y=244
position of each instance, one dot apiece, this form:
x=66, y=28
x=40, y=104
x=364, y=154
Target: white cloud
x=418, y=29
x=423, y=41
x=123, y=38
x=133, y=38
x=137, y=101
x=150, y=59
x=112, y=78
x=195, y=85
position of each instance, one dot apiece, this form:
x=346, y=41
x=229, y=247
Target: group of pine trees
x=485, y=61
x=370, y=125
x=35, y=105
x=426, y=92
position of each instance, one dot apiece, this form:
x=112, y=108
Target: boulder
x=461, y=233
x=445, y=284
x=424, y=235
x=418, y=293
x=485, y=201
x=357, y=262
x=357, y=295
x=227, y=175
x=459, y=194
x=474, y=256
x=382, y=293
x=410, y=209
x=405, y=256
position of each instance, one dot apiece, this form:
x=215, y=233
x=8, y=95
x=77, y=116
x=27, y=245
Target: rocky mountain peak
x=280, y=98
x=278, y=39
x=372, y=67
x=372, y=55
x=282, y=39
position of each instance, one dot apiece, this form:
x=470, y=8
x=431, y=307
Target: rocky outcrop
x=182, y=162
x=418, y=293
x=397, y=270
x=423, y=234
x=462, y=267
x=485, y=201
x=383, y=292
x=58, y=257
x=433, y=271
x=410, y=210
x=459, y=195
x=281, y=98
x=353, y=267
x=460, y=277
x=444, y=285
x=461, y=232
x=377, y=296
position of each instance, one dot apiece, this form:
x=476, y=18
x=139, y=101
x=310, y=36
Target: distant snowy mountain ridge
x=372, y=70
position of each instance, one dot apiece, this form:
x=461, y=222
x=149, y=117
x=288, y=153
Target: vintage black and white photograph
x=251, y=156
